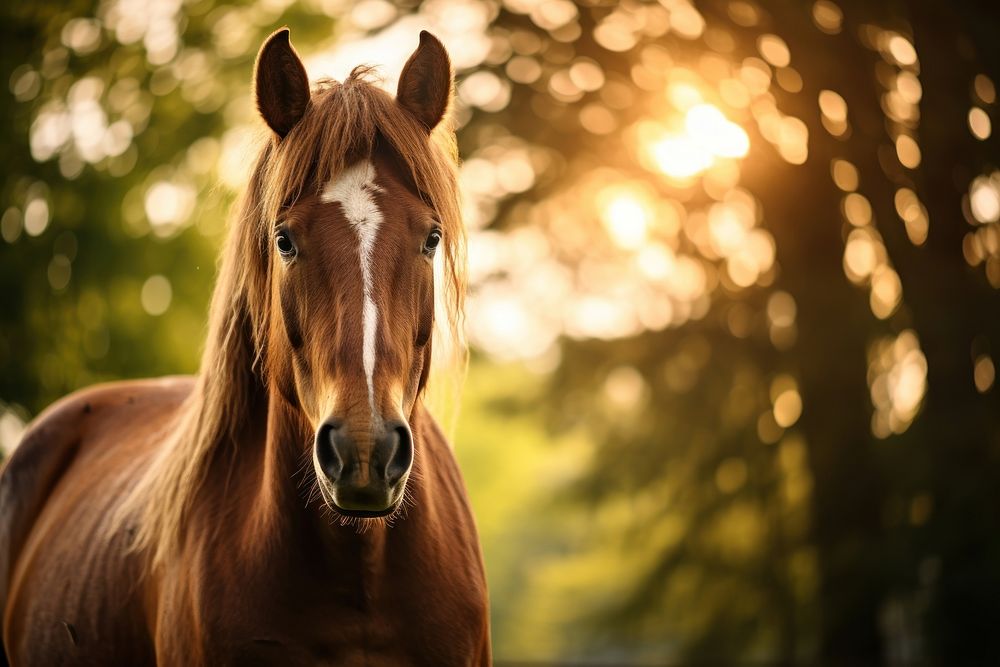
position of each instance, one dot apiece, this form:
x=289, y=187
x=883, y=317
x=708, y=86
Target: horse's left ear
x=280, y=83
x=425, y=84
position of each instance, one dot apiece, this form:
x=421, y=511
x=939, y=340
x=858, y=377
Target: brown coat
x=315, y=593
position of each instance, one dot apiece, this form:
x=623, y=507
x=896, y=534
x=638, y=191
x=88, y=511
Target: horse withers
x=294, y=503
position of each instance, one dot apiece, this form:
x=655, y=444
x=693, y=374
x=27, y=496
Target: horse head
x=350, y=261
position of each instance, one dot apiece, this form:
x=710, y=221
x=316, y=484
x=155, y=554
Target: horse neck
x=273, y=472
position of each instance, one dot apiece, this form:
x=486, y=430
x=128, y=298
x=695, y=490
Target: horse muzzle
x=364, y=479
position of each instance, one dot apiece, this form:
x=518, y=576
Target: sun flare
x=706, y=137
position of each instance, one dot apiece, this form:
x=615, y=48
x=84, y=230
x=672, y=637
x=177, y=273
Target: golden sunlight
x=626, y=219
x=720, y=136
x=681, y=157
x=707, y=135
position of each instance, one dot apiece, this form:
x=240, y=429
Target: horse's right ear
x=280, y=83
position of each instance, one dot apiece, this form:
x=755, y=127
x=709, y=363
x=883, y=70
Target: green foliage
x=73, y=310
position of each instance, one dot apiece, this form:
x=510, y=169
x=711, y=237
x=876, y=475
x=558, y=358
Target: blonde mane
x=341, y=124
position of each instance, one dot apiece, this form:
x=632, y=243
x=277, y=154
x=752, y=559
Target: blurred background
x=735, y=293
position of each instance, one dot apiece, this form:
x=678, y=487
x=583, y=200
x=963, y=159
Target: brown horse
x=171, y=521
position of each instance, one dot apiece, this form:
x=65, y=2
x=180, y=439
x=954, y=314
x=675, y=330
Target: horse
x=294, y=502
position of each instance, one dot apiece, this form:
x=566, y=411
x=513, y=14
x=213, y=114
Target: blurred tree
x=903, y=563
x=115, y=115
x=958, y=311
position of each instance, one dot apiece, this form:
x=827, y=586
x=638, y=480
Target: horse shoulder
x=52, y=442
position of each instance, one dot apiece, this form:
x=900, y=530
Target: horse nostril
x=328, y=437
x=400, y=440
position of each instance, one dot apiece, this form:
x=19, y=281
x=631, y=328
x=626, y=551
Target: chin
x=365, y=513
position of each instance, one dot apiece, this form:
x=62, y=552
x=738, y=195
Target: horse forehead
x=370, y=198
x=355, y=189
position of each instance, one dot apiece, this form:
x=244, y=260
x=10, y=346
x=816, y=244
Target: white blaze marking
x=354, y=190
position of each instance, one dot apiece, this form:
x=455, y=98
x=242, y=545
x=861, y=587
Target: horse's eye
x=432, y=242
x=285, y=246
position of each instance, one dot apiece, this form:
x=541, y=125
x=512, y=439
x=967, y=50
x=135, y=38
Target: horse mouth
x=365, y=514
x=364, y=503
